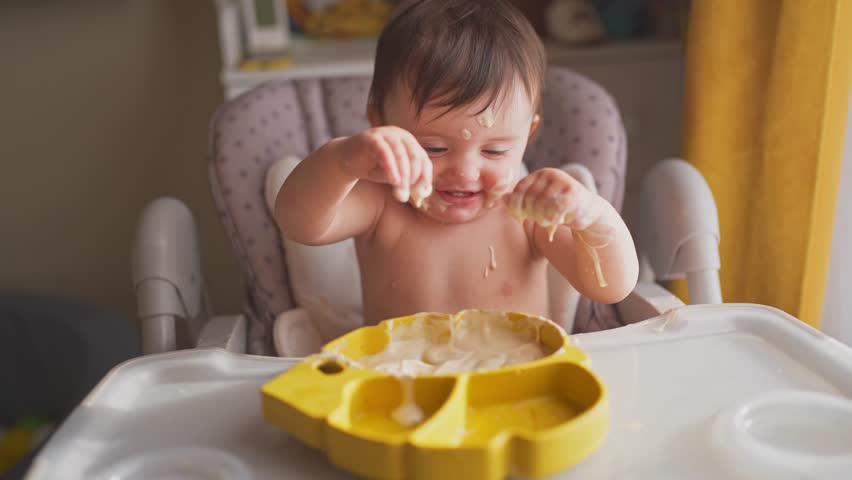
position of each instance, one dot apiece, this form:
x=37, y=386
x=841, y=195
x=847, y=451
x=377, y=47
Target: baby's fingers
x=426, y=176
x=415, y=158
x=421, y=170
x=525, y=183
x=386, y=169
x=583, y=212
x=552, y=203
x=515, y=200
x=403, y=164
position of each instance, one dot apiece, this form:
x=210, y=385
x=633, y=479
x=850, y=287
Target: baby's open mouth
x=460, y=194
x=459, y=197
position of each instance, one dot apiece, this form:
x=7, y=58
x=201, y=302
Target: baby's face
x=475, y=156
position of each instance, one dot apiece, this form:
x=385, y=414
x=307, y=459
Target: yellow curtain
x=767, y=86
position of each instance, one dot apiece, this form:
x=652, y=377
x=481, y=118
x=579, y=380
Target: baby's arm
x=324, y=200
x=585, y=228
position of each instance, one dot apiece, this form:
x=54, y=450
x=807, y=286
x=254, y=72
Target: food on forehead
x=465, y=133
x=486, y=118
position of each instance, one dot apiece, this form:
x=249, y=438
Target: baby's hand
x=551, y=197
x=390, y=155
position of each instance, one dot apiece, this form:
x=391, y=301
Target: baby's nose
x=467, y=171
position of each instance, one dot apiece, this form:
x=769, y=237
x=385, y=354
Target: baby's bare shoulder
x=393, y=219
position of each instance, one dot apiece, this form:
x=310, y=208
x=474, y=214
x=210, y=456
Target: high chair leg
x=169, y=286
x=158, y=334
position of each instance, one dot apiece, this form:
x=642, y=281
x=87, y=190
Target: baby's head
x=465, y=77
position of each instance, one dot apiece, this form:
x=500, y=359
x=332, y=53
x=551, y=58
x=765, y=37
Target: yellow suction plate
x=533, y=419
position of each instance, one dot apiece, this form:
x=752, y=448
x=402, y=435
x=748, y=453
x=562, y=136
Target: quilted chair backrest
x=580, y=124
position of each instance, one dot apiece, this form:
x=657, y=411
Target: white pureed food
x=592, y=239
x=421, y=192
x=472, y=340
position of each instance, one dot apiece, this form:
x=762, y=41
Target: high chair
x=581, y=132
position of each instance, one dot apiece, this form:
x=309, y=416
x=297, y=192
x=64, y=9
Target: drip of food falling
x=492, y=262
x=408, y=413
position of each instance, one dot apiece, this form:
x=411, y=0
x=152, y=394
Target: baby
x=430, y=193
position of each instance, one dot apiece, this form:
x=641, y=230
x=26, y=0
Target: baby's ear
x=534, y=125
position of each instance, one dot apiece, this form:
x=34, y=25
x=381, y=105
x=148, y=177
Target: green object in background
x=622, y=19
x=264, y=12
x=20, y=438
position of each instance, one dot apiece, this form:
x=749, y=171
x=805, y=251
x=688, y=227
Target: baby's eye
x=495, y=153
x=435, y=150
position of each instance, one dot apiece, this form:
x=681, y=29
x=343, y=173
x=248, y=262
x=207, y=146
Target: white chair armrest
x=679, y=228
x=295, y=335
x=227, y=332
x=167, y=280
x=646, y=301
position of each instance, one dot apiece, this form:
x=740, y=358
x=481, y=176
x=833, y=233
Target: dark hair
x=451, y=53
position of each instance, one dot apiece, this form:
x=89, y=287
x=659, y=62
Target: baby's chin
x=453, y=217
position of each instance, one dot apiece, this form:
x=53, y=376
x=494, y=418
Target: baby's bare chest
x=447, y=268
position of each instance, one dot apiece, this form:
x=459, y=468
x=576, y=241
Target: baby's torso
x=413, y=264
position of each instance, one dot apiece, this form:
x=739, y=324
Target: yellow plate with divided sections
x=532, y=419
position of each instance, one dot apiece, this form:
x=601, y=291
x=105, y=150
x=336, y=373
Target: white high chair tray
x=674, y=386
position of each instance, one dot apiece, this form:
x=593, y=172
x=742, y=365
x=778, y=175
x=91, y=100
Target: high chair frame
x=677, y=237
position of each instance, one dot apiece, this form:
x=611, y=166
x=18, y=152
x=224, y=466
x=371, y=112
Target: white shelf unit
x=352, y=57
x=310, y=58
x=347, y=57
